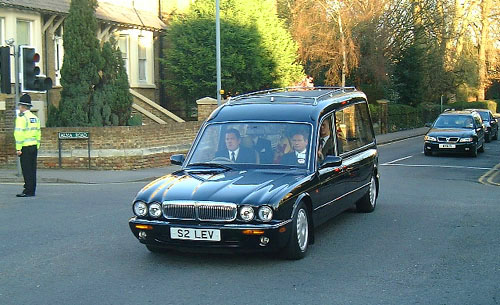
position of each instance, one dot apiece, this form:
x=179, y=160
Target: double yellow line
x=490, y=176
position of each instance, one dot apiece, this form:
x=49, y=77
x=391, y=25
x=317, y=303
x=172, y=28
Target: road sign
x=79, y=135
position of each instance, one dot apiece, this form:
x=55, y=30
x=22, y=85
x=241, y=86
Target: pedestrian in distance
x=27, y=135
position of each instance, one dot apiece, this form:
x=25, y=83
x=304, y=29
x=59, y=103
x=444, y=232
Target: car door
x=479, y=129
x=358, y=147
x=328, y=196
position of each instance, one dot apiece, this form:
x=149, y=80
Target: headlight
x=428, y=138
x=140, y=209
x=247, y=213
x=155, y=210
x=265, y=213
x=466, y=140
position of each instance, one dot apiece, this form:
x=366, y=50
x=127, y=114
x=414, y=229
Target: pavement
x=84, y=176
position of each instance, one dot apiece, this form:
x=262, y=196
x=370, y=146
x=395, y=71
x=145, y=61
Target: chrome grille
x=203, y=211
x=448, y=140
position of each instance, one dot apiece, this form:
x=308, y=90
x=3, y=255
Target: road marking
x=400, y=159
x=440, y=166
x=490, y=175
x=398, y=141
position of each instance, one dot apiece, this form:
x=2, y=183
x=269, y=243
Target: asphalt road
x=433, y=239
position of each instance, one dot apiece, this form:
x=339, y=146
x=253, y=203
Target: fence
x=401, y=117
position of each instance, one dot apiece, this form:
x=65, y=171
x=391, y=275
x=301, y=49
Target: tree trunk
x=483, y=45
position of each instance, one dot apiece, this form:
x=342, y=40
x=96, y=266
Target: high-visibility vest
x=27, y=131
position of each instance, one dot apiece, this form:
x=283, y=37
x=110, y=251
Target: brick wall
x=7, y=118
x=123, y=147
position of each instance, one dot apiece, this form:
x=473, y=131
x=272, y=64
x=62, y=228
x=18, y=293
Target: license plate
x=447, y=146
x=195, y=234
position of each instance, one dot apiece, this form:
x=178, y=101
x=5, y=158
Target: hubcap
x=373, y=192
x=302, y=229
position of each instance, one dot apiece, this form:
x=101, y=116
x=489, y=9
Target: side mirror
x=428, y=124
x=177, y=159
x=331, y=161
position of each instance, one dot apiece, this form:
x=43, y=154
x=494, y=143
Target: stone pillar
x=206, y=106
x=383, y=115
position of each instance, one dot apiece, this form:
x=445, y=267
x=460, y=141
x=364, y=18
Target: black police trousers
x=28, y=166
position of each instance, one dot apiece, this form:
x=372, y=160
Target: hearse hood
x=253, y=187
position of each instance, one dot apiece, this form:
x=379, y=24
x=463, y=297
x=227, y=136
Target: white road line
x=400, y=159
x=440, y=166
x=398, y=141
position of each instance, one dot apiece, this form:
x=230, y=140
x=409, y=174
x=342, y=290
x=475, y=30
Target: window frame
x=30, y=29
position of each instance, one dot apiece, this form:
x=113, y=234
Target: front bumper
x=232, y=237
x=461, y=148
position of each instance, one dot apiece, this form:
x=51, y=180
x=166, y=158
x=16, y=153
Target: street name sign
x=82, y=135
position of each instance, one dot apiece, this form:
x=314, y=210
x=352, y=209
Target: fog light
x=142, y=235
x=264, y=241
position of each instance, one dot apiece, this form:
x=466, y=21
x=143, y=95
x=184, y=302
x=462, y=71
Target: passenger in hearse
x=298, y=155
x=325, y=146
x=233, y=151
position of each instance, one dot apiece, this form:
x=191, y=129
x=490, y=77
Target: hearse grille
x=202, y=211
x=448, y=139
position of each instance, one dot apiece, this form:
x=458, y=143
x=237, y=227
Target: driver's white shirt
x=236, y=152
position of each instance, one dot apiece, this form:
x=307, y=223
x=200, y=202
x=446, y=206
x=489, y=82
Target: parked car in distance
x=265, y=169
x=490, y=122
x=455, y=132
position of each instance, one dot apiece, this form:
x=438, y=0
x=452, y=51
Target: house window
x=59, y=55
x=141, y=54
x=23, y=32
x=123, y=45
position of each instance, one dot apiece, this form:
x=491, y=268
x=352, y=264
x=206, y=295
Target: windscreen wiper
x=211, y=165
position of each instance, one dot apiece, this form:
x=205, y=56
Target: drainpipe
x=163, y=100
x=46, y=69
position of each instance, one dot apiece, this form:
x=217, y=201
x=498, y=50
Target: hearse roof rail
x=280, y=95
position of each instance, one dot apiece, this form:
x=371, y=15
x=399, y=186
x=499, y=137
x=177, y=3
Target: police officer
x=27, y=134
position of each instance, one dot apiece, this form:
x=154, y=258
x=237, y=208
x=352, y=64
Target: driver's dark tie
x=232, y=156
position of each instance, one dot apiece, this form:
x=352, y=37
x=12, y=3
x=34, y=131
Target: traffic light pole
x=16, y=101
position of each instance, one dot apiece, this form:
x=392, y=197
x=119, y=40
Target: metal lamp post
x=217, y=51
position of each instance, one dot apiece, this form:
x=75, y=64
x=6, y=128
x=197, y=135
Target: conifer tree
x=112, y=101
x=81, y=65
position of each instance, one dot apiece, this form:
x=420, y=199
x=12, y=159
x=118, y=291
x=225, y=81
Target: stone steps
x=151, y=112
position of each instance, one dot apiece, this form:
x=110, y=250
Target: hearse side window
x=326, y=138
x=353, y=127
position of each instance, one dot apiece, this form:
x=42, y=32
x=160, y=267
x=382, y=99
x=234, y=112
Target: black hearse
x=264, y=170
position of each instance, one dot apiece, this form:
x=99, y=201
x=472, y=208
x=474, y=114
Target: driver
x=234, y=151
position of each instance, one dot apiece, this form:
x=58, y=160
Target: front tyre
x=299, y=240
x=369, y=201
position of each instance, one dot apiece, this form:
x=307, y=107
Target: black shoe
x=25, y=195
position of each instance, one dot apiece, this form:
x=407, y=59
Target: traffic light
x=31, y=81
x=5, y=70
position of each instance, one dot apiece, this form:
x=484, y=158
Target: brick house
x=137, y=26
